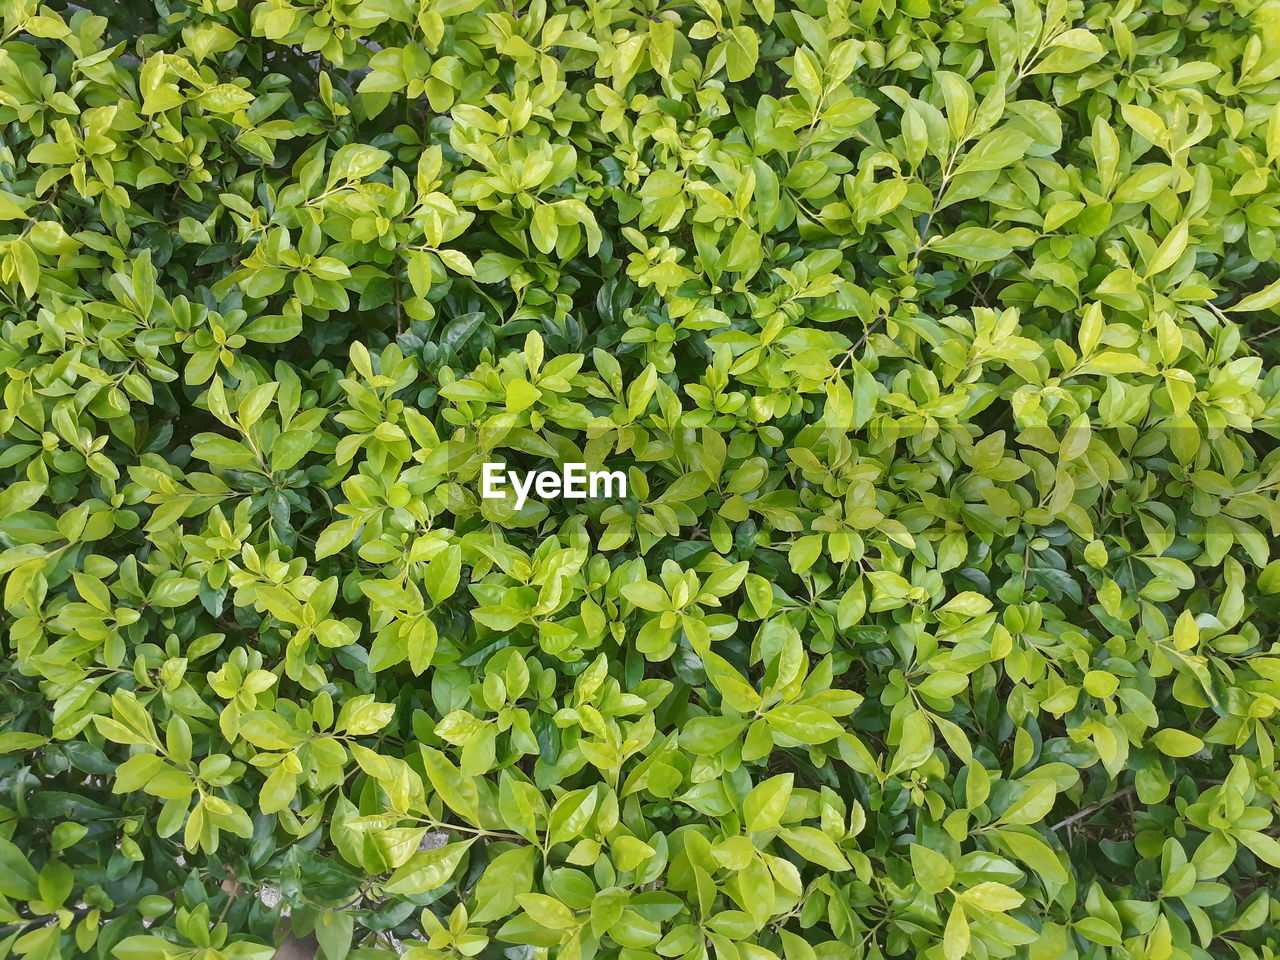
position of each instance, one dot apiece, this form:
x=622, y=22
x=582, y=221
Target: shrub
x=933, y=340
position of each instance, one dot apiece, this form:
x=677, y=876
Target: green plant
x=935, y=339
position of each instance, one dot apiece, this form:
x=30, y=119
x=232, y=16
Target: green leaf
x=18, y=879
x=933, y=871
x=1176, y=743
x=766, y=803
x=268, y=731
x=427, y=870
x=1264, y=299
x=546, y=911
x=815, y=846
x=973, y=243
x=1033, y=805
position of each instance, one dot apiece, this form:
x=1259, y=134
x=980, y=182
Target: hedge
x=935, y=341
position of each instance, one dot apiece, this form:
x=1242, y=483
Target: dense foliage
x=935, y=338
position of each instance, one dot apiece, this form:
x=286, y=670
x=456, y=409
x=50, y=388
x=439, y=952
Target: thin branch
x=1093, y=808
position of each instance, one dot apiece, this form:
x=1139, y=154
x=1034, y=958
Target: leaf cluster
x=935, y=339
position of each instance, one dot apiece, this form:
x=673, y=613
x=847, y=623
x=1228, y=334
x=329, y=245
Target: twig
x=1093, y=808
